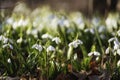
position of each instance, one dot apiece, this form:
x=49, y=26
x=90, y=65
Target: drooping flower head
x=57, y=40
x=37, y=47
x=50, y=48
x=75, y=43
x=44, y=36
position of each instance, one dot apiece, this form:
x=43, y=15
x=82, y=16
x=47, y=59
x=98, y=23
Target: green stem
x=47, y=66
x=100, y=43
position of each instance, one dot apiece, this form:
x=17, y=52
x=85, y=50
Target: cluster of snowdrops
x=47, y=41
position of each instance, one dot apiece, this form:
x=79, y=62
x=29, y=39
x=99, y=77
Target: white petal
x=90, y=54
x=96, y=53
x=118, y=52
x=9, y=60
x=118, y=63
x=107, y=50
x=50, y=48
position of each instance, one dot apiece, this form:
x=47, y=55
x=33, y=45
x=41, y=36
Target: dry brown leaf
x=69, y=68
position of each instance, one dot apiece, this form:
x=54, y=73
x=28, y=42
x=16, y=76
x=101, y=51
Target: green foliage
x=77, y=36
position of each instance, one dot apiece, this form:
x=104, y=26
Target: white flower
x=116, y=44
x=118, y=33
x=8, y=45
x=118, y=51
x=10, y=21
x=114, y=53
x=97, y=58
x=75, y=56
x=86, y=30
x=111, y=39
x=118, y=63
x=50, y=48
x=95, y=53
x=101, y=29
x=44, y=36
x=15, y=25
x=96, y=21
x=92, y=31
x=111, y=22
x=3, y=39
x=19, y=40
x=75, y=43
x=20, y=23
x=90, y=54
x=64, y=22
x=38, y=47
x=9, y=60
x=57, y=40
x=79, y=20
x=34, y=32
x=107, y=51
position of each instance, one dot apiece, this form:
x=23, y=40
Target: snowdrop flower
x=116, y=44
x=75, y=56
x=111, y=39
x=101, y=29
x=75, y=43
x=44, y=36
x=67, y=23
x=79, y=21
x=92, y=31
x=3, y=39
x=19, y=40
x=10, y=21
x=50, y=48
x=118, y=33
x=37, y=47
x=111, y=22
x=53, y=23
x=9, y=60
x=118, y=52
x=20, y=23
x=90, y=54
x=96, y=21
x=34, y=32
x=8, y=45
x=95, y=53
x=118, y=63
x=107, y=51
x=114, y=53
x=57, y=40
x=97, y=58
x=86, y=30
x=64, y=22
x=15, y=25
